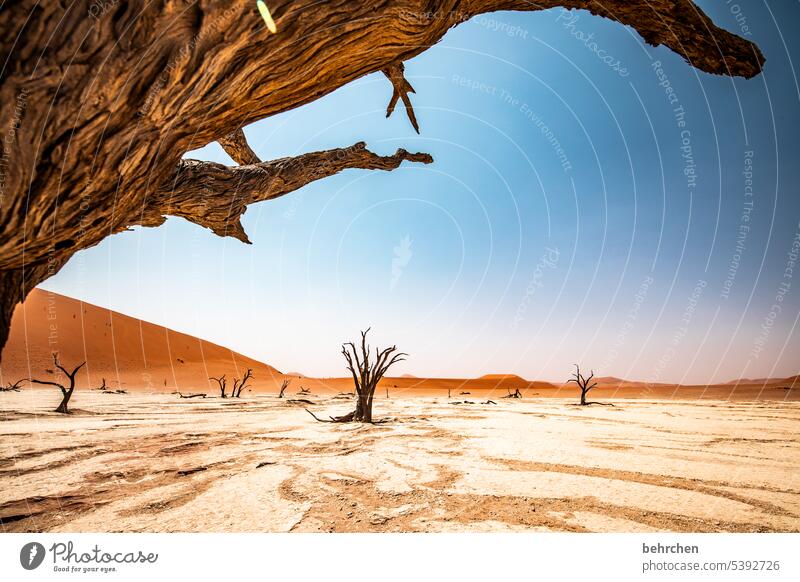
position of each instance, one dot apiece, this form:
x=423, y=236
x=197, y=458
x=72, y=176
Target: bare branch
x=284, y=386
x=239, y=386
x=222, y=382
x=47, y=383
x=215, y=196
x=583, y=384
x=346, y=353
x=317, y=418
x=236, y=146
x=15, y=387
x=401, y=89
x=70, y=375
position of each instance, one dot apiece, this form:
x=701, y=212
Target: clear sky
x=573, y=214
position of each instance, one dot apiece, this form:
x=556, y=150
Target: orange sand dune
x=127, y=352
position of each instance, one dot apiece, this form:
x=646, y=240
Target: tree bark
x=216, y=196
x=363, y=408
x=101, y=100
x=15, y=285
x=366, y=415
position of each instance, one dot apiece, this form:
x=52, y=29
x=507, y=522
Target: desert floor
x=141, y=462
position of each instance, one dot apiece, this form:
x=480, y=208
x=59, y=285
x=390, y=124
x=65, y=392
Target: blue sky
x=568, y=217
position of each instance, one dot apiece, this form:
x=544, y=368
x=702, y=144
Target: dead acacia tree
x=284, y=386
x=239, y=386
x=366, y=375
x=66, y=392
x=515, y=394
x=585, y=384
x=156, y=80
x=15, y=387
x=223, y=383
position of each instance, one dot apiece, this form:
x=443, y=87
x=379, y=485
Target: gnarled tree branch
x=156, y=79
x=236, y=146
x=401, y=89
x=215, y=196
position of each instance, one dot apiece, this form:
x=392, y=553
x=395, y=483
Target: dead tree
x=304, y=390
x=102, y=386
x=583, y=383
x=366, y=375
x=13, y=387
x=222, y=385
x=166, y=78
x=515, y=394
x=284, y=386
x=239, y=386
x=66, y=392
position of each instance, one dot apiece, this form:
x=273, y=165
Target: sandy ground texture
x=153, y=463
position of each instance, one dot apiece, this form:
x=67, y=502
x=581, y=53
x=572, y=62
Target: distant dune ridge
x=139, y=356
x=503, y=377
x=790, y=381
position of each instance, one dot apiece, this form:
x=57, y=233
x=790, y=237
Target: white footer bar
x=406, y=557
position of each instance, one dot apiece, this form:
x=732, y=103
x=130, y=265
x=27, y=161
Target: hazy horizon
x=572, y=214
x=344, y=373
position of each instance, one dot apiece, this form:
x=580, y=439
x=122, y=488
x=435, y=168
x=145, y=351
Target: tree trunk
x=361, y=405
x=62, y=408
x=16, y=284
x=10, y=295
x=366, y=409
x=583, y=397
